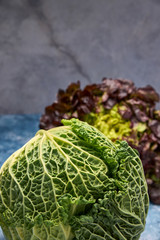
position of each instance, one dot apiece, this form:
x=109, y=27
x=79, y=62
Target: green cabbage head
x=72, y=182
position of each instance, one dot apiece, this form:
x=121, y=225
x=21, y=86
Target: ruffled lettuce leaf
x=136, y=119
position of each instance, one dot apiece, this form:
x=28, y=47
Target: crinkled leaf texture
x=72, y=182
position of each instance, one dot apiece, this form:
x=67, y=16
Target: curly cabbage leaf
x=72, y=182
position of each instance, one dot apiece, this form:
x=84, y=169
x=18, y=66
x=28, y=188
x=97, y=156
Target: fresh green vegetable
x=114, y=126
x=72, y=182
x=110, y=123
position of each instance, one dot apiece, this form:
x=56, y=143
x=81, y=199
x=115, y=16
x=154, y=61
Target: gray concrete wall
x=45, y=45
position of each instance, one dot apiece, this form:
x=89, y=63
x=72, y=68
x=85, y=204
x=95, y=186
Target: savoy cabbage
x=72, y=182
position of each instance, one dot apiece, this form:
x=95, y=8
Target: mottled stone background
x=44, y=45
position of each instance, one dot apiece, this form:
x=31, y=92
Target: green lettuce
x=110, y=123
x=72, y=182
x=114, y=126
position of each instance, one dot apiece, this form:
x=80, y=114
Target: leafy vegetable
x=111, y=124
x=72, y=182
x=120, y=110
